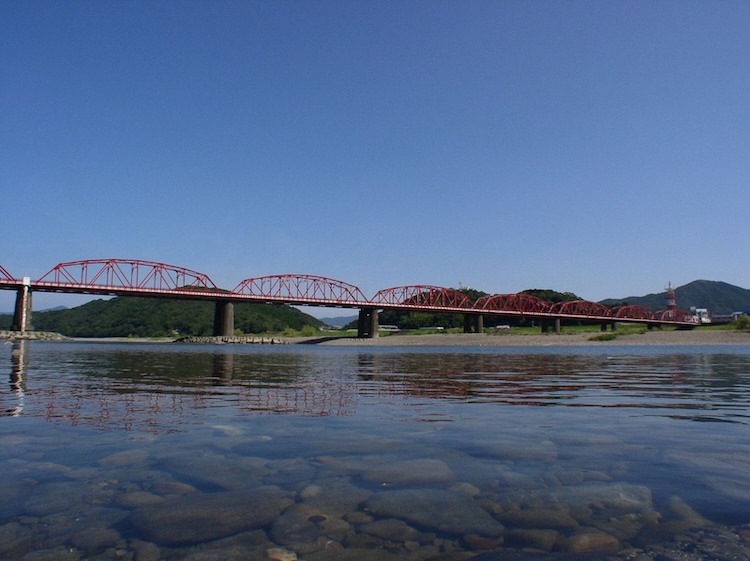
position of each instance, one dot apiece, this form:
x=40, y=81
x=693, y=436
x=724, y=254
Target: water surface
x=146, y=451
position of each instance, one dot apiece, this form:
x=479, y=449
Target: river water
x=169, y=451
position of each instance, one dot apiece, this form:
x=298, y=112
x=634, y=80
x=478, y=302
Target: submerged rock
x=15, y=540
x=539, y=518
x=619, y=497
x=197, y=518
x=436, y=509
x=408, y=472
x=391, y=529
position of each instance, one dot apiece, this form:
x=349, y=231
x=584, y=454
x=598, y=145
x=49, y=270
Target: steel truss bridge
x=134, y=277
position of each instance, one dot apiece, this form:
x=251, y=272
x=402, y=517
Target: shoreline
x=649, y=338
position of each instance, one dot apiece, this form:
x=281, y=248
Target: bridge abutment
x=22, y=313
x=367, y=323
x=223, y=319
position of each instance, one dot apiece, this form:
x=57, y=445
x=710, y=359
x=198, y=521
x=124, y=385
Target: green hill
x=719, y=297
x=153, y=317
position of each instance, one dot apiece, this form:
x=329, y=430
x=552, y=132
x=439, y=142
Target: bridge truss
x=135, y=277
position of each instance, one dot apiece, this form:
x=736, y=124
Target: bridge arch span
x=632, y=312
x=580, y=308
x=522, y=303
x=131, y=274
x=420, y=296
x=675, y=315
x=306, y=289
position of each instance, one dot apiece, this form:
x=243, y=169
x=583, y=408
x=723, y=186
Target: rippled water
x=150, y=452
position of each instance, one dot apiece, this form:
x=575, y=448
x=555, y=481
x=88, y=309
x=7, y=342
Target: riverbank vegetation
x=154, y=317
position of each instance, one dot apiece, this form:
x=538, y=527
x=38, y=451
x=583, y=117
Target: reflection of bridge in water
x=136, y=392
x=159, y=392
x=123, y=277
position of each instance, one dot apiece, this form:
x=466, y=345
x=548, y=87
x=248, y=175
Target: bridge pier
x=367, y=323
x=473, y=323
x=555, y=325
x=22, y=313
x=223, y=319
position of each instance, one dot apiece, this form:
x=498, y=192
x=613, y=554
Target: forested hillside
x=151, y=317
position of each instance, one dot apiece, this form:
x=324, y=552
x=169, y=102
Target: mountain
x=339, y=321
x=153, y=317
x=719, y=297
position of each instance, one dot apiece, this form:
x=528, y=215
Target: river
x=252, y=452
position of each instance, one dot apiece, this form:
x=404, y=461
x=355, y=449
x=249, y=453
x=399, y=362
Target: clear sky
x=596, y=147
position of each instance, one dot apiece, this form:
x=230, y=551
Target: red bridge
x=127, y=277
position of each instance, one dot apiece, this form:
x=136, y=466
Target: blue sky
x=601, y=148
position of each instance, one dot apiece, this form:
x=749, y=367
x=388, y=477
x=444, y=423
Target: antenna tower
x=671, y=298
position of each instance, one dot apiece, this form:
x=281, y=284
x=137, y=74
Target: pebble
x=279, y=554
x=589, y=541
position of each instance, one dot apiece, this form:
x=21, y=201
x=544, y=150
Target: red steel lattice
x=522, y=303
x=301, y=288
x=675, y=315
x=5, y=275
x=632, y=312
x=127, y=274
x=422, y=296
x=580, y=308
x=148, y=278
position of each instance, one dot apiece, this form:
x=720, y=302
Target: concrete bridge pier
x=473, y=323
x=367, y=323
x=22, y=313
x=613, y=326
x=223, y=319
x=555, y=325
